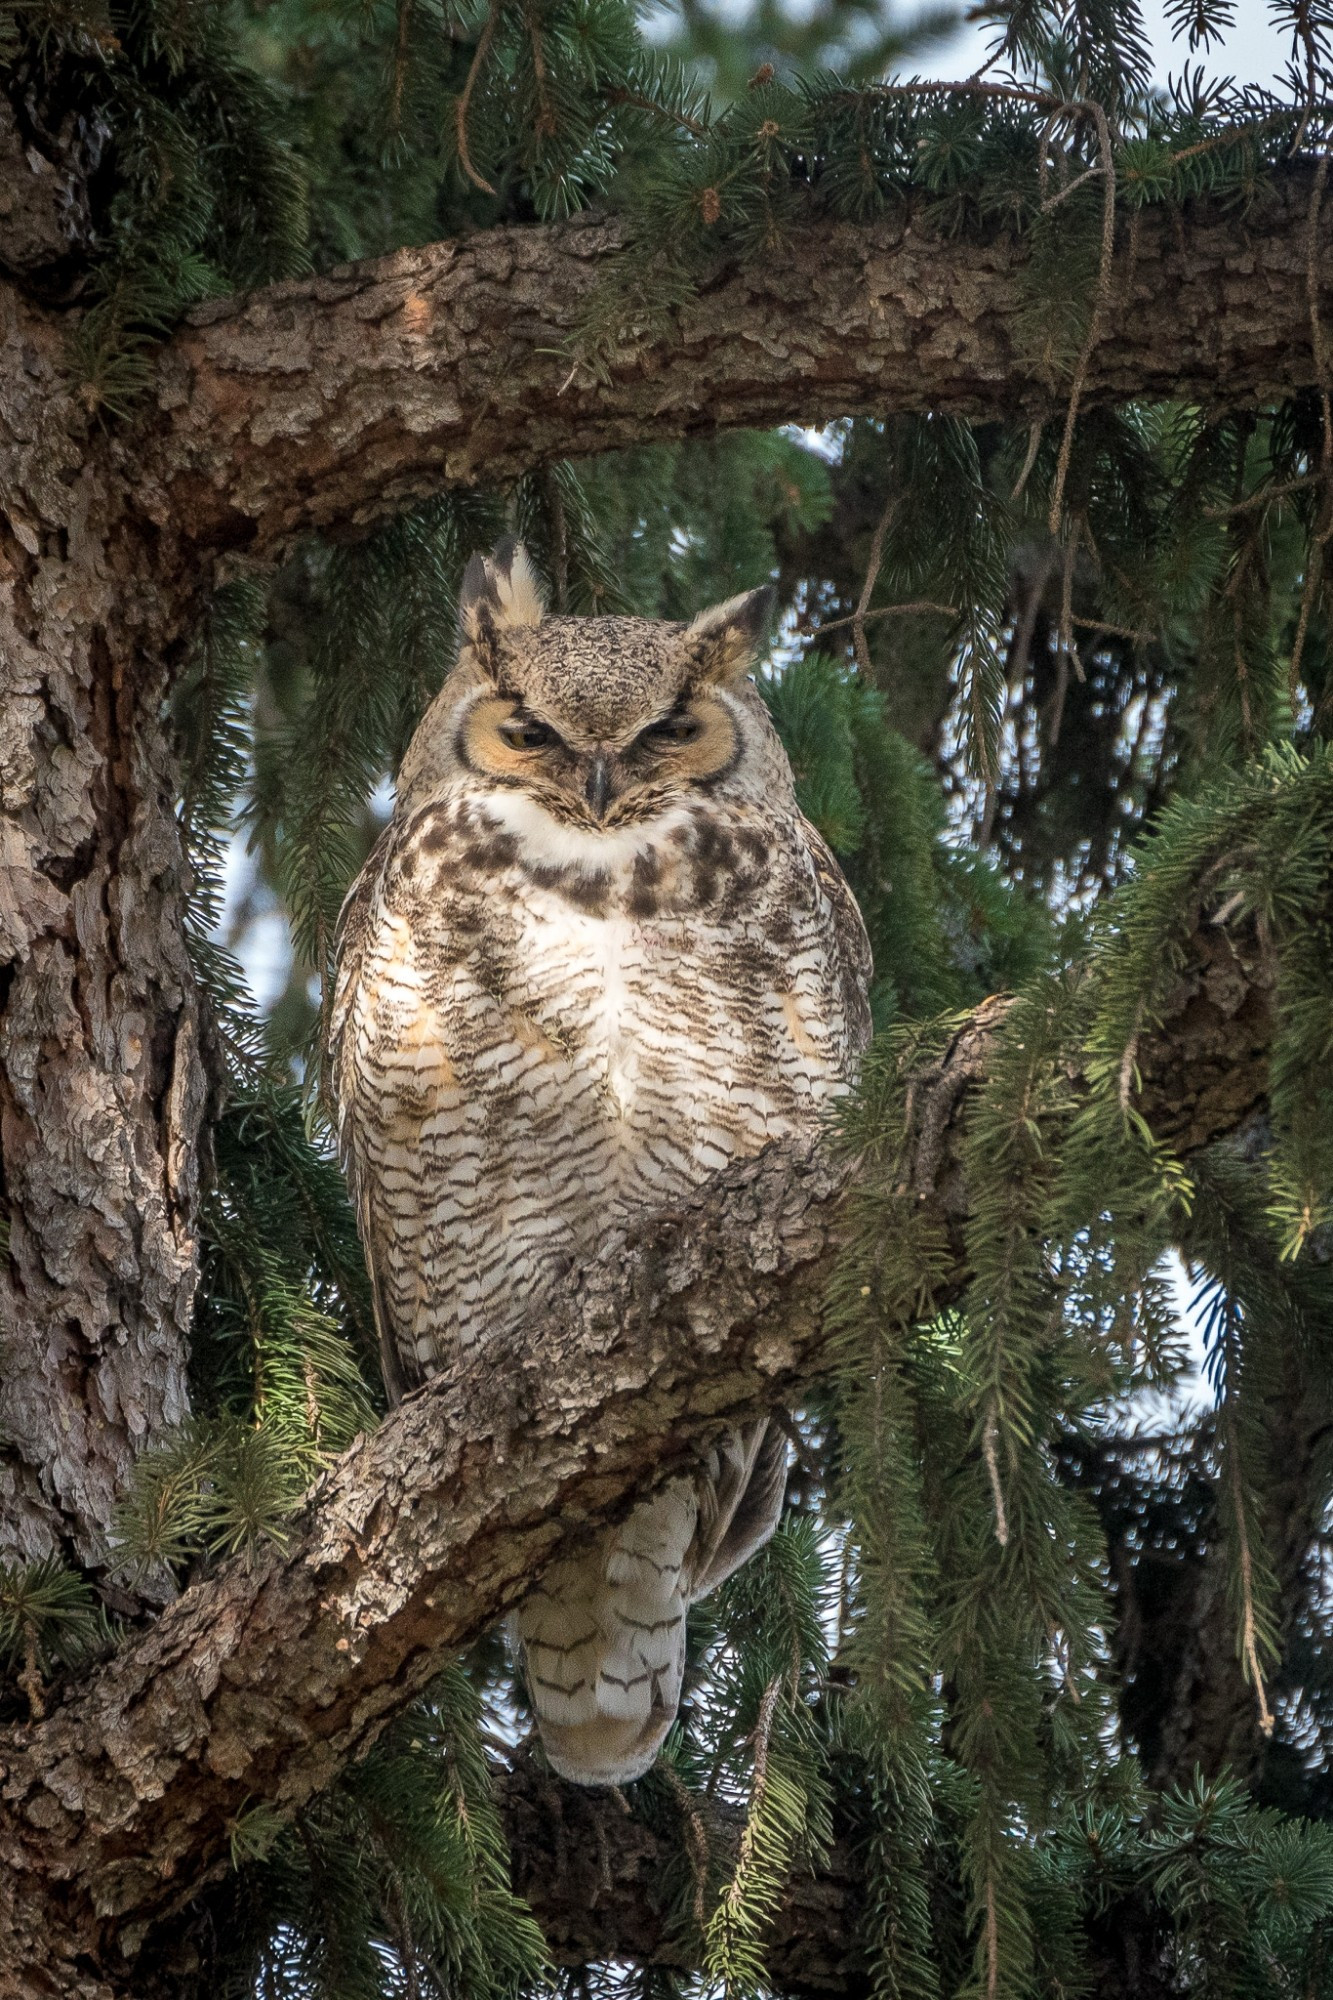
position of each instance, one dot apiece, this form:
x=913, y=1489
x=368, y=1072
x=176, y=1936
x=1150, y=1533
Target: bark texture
x=101, y=1087
x=262, y=1682
x=46, y=225
x=331, y=401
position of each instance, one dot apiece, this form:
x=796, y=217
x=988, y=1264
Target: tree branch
x=264, y=1680
x=332, y=401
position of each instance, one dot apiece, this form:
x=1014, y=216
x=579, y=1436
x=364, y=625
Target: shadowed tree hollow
x=1018, y=391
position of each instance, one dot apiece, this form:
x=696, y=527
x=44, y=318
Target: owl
x=597, y=954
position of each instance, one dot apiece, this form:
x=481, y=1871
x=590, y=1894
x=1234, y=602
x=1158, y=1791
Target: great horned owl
x=597, y=954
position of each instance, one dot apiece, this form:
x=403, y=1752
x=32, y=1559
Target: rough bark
x=101, y=1087
x=332, y=400
x=46, y=225
x=263, y=1681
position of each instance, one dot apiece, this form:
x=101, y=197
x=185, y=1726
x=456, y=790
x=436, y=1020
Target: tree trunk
x=101, y=1085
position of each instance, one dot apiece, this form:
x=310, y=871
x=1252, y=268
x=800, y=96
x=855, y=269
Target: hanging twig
x=1034, y=445
x=1068, y=652
x=762, y=1740
x=989, y=1437
x=1249, y=1646
x=1305, y=35
x=1016, y=674
x=1129, y=1062
x=1088, y=174
x=479, y=55
x=400, y=63
x=805, y=1458
x=1044, y=152
x=1100, y=302
x=1023, y=631
x=696, y=1840
x=859, y=645
x=546, y=124
x=844, y=1593
x=1314, y=566
x=1059, y=697
x=1067, y=601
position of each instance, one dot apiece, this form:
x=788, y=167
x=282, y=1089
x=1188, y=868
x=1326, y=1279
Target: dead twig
x=1034, y=445
x=876, y=556
x=918, y=605
x=1314, y=567
x=1100, y=302
x=1263, y=496
x=478, y=63
x=989, y=1436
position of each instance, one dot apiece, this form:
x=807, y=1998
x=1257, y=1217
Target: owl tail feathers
x=605, y=1751
x=603, y=1642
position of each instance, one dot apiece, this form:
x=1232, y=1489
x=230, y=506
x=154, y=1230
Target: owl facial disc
x=603, y=721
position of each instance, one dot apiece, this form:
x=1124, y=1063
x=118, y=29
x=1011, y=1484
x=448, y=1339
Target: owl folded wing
x=740, y=1500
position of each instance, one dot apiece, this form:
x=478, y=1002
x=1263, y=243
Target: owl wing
x=740, y=1501
x=851, y=964
x=355, y=929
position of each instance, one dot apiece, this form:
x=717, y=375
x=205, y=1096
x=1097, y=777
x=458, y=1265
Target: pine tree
x=1030, y=1695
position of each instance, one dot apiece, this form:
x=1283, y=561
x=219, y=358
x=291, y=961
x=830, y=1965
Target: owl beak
x=598, y=788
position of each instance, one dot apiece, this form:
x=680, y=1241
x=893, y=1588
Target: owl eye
x=522, y=733
x=681, y=727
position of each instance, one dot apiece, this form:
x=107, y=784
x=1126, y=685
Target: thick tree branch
x=331, y=401
x=263, y=1681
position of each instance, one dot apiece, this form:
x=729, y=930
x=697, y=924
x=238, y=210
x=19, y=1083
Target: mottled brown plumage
x=597, y=954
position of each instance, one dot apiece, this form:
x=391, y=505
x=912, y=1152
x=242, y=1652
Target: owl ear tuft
x=726, y=638
x=500, y=593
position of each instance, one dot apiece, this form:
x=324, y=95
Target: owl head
x=604, y=721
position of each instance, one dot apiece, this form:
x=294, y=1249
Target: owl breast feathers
x=597, y=954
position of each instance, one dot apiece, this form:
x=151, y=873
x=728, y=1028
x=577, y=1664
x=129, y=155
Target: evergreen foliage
x=50, y=1622
x=1053, y=697
x=396, y=1880
x=761, y=1731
